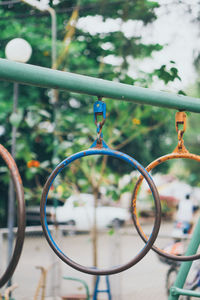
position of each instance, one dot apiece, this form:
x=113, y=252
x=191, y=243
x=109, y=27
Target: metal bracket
x=99, y=109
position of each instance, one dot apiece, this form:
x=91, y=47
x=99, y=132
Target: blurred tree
x=141, y=131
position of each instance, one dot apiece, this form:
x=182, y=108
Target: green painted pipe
x=184, y=292
x=48, y=78
x=83, y=283
x=185, y=266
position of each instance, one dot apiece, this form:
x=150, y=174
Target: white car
x=78, y=210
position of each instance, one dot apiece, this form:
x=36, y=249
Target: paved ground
x=144, y=281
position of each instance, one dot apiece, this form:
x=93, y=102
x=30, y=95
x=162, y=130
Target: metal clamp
x=99, y=110
x=180, y=119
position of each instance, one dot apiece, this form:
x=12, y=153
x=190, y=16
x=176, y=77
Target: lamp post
x=44, y=6
x=16, y=50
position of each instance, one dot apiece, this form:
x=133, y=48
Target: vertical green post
x=185, y=266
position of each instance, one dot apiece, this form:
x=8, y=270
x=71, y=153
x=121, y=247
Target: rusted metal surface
x=179, y=152
x=54, y=246
x=180, y=118
x=180, y=148
x=20, y=215
x=99, y=108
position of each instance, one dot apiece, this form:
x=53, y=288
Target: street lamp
x=16, y=50
x=44, y=6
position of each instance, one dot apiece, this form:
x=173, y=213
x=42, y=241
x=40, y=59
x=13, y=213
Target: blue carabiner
x=99, y=109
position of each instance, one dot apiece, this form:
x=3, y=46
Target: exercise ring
x=20, y=215
x=179, y=152
x=100, y=148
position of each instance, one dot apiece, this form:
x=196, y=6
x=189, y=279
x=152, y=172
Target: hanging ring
x=176, y=154
x=66, y=162
x=20, y=215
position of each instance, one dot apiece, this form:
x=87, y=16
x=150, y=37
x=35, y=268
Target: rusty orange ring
x=176, y=154
x=6, y=156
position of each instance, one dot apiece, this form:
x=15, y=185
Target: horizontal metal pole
x=48, y=78
x=184, y=292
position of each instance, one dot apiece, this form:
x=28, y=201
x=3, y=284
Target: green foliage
x=48, y=133
x=166, y=75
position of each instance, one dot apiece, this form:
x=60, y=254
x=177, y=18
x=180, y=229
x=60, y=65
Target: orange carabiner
x=180, y=119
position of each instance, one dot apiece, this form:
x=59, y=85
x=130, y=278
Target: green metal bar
x=184, y=292
x=81, y=281
x=44, y=77
x=185, y=266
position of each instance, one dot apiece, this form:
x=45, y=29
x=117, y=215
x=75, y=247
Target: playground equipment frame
x=48, y=78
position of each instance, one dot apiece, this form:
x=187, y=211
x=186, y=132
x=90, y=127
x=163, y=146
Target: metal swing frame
x=48, y=78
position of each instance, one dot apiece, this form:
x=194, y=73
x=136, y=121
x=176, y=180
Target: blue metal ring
x=131, y=161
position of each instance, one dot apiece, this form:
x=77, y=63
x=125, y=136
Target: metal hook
x=99, y=110
x=180, y=119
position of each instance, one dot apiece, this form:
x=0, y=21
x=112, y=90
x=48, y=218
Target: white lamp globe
x=18, y=50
